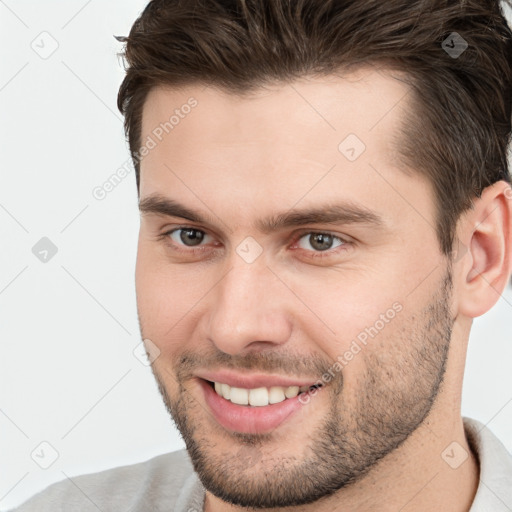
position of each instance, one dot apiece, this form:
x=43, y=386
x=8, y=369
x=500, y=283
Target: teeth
x=226, y=390
x=239, y=396
x=258, y=397
x=276, y=395
x=291, y=392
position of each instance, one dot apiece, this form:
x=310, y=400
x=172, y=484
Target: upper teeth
x=258, y=396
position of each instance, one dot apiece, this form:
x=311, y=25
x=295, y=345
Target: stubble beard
x=394, y=399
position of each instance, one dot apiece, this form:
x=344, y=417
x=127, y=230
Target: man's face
x=309, y=258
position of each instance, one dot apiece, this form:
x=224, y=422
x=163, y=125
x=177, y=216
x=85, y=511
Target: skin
x=372, y=439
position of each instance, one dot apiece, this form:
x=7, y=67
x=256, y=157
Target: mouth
x=256, y=410
x=260, y=396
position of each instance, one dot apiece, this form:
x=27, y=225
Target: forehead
x=332, y=137
x=321, y=111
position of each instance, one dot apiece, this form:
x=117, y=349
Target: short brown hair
x=459, y=131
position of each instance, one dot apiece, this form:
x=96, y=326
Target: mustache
x=289, y=363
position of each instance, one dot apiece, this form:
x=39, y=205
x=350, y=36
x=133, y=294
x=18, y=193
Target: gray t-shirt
x=168, y=483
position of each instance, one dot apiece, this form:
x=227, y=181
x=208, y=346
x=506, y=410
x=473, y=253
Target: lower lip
x=247, y=419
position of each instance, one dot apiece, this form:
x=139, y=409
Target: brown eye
x=189, y=237
x=319, y=241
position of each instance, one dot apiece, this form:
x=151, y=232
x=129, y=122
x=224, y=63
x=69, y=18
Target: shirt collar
x=494, y=491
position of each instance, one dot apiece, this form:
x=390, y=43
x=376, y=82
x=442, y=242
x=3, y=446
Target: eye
x=189, y=237
x=319, y=242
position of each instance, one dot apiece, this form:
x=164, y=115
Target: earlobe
x=485, y=269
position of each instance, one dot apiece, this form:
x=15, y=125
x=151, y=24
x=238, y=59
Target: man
x=325, y=207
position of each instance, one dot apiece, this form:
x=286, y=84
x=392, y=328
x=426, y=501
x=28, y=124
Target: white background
x=68, y=327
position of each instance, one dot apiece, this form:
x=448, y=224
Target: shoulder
x=142, y=486
x=495, y=489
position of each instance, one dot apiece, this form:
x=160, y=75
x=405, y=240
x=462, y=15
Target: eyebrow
x=339, y=213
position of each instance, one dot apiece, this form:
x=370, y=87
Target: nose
x=249, y=309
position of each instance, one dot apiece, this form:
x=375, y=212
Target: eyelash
x=297, y=237
x=321, y=254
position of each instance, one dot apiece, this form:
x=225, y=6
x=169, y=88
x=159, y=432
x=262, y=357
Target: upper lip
x=253, y=380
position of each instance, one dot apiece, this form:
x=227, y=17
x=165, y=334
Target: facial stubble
x=397, y=391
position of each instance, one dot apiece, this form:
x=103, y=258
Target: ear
x=486, y=232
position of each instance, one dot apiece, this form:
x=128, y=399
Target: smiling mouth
x=259, y=397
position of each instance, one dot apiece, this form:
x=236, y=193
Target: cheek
x=358, y=321
x=344, y=311
x=168, y=300
x=160, y=295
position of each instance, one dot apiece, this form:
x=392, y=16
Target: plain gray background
x=74, y=398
